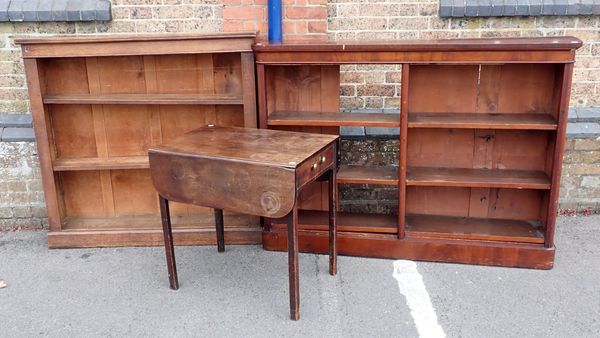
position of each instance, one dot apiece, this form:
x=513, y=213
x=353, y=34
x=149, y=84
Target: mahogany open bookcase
x=98, y=103
x=482, y=127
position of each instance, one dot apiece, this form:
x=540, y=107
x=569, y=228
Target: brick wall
x=302, y=19
x=407, y=19
x=362, y=87
x=21, y=197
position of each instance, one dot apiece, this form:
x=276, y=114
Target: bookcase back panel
x=519, y=204
x=73, y=131
x=315, y=89
x=116, y=75
x=507, y=89
x=443, y=89
x=517, y=88
x=64, y=75
x=133, y=193
x=122, y=194
x=128, y=130
x=82, y=194
x=164, y=74
x=478, y=148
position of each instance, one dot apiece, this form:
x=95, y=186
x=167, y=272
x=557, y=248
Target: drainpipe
x=274, y=13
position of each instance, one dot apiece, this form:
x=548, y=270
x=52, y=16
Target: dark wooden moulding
x=99, y=103
x=482, y=130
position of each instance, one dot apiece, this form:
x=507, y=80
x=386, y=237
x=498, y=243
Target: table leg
x=220, y=230
x=292, y=223
x=332, y=223
x=168, y=237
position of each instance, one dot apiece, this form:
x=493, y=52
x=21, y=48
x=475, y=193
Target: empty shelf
x=367, y=174
x=346, y=221
x=482, y=121
x=97, y=163
x=189, y=98
x=484, y=178
x=432, y=226
x=333, y=119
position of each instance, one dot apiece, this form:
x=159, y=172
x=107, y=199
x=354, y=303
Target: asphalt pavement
x=123, y=292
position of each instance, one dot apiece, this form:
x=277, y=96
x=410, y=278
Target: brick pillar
x=302, y=19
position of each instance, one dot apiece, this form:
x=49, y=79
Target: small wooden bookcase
x=99, y=102
x=482, y=128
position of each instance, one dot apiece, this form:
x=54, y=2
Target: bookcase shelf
x=175, y=98
x=482, y=121
x=483, y=178
x=332, y=119
x=487, y=229
x=95, y=163
x=346, y=222
x=380, y=175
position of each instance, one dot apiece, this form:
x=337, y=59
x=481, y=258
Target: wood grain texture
x=42, y=134
x=249, y=145
x=178, y=99
x=356, y=174
x=485, y=44
x=486, y=229
x=244, y=187
x=564, y=83
x=332, y=119
x=250, y=171
x=148, y=237
x=487, y=178
x=403, y=149
x=414, y=57
x=482, y=121
x=110, y=45
x=101, y=163
x=346, y=221
x=524, y=255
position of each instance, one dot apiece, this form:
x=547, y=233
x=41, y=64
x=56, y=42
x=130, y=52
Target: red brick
x=233, y=26
x=289, y=27
x=249, y=25
x=306, y=13
x=301, y=27
x=243, y=12
x=305, y=37
x=317, y=27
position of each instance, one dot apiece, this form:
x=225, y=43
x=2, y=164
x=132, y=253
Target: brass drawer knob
x=323, y=159
x=314, y=166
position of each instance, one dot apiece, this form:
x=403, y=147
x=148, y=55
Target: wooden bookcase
x=98, y=103
x=482, y=128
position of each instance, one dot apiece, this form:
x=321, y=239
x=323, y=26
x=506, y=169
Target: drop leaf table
x=249, y=171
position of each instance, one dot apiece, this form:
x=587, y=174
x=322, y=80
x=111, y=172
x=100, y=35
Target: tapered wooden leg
x=293, y=263
x=220, y=230
x=332, y=223
x=168, y=237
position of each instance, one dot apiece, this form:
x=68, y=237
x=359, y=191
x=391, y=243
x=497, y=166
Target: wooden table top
x=269, y=147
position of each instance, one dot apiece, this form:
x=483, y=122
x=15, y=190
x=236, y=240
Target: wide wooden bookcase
x=99, y=102
x=482, y=127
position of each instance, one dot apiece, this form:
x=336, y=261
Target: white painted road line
x=412, y=287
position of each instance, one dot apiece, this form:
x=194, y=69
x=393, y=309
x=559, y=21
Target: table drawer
x=316, y=165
